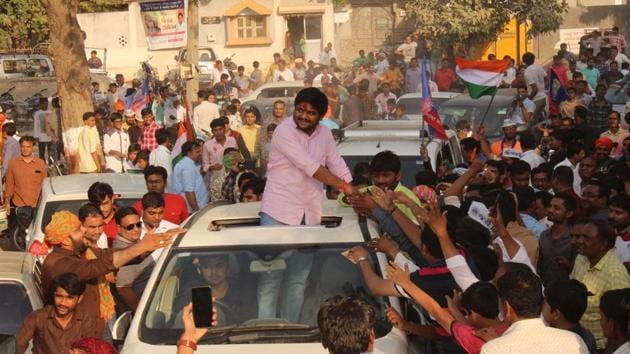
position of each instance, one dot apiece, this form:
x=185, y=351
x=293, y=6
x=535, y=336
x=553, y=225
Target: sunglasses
x=131, y=226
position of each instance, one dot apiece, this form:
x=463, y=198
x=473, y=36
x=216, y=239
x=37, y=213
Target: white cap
x=129, y=113
x=512, y=153
x=508, y=123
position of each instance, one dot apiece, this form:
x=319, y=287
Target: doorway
x=310, y=29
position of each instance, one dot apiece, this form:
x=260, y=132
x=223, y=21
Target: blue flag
x=557, y=92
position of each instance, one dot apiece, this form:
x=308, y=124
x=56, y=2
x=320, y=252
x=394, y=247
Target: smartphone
x=202, y=306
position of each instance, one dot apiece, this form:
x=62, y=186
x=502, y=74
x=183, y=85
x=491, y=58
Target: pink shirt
x=464, y=335
x=212, y=152
x=291, y=193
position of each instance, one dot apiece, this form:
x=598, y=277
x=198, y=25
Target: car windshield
x=452, y=114
x=14, y=306
x=73, y=206
x=236, y=275
x=414, y=105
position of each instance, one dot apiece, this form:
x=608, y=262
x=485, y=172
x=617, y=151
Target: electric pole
x=192, y=56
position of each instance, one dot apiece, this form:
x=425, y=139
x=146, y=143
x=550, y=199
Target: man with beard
x=303, y=158
x=68, y=239
x=556, y=252
x=509, y=140
x=55, y=327
x=603, y=147
x=619, y=216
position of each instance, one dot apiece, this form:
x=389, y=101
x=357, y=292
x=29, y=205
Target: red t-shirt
x=175, y=208
x=464, y=336
x=111, y=230
x=444, y=78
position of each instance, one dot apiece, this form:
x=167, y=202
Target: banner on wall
x=164, y=23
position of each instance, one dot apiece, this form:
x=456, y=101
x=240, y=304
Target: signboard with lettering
x=210, y=20
x=164, y=23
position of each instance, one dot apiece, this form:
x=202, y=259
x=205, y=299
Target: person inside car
x=232, y=298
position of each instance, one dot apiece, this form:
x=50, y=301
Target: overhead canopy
x=302, y=9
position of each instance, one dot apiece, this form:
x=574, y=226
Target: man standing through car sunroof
x=303, y=157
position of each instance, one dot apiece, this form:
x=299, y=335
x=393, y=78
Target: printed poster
x=164, y=23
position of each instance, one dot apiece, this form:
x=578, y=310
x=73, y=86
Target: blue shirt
x=11, y=151
x=533, y=225
x=187, y=178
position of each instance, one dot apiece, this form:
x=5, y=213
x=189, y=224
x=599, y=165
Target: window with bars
x=251, y=27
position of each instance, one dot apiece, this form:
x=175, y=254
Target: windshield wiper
x=261, y=332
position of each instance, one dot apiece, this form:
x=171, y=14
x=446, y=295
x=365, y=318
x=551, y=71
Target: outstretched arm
x=401, y=277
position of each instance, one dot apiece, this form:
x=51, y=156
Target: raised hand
x=396, y=274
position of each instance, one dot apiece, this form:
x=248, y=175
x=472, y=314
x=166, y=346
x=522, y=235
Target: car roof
x=72, y=184
x=200, y=235
x=466, y=100
x=13, y=262
x=269, y=101
x=439, y=94
x=294, y=83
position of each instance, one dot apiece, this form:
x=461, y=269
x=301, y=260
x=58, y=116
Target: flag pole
x=423, y=68
x=487, y=109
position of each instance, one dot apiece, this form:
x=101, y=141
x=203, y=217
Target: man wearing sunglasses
x=133, y=277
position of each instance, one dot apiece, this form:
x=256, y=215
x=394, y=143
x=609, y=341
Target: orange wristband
x=187, y=343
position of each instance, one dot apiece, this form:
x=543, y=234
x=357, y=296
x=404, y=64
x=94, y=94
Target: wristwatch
x=361, y=259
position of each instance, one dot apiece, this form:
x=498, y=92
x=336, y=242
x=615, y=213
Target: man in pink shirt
x=212, y=152
x=303, y=158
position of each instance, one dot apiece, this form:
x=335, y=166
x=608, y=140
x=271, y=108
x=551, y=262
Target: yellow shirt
x=250, y=135
x=608, y=274
x=89, y=141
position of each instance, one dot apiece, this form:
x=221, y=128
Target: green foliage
x=472, y=22
x=102, y=5
x=23, y=23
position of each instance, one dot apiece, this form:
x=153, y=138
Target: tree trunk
x=67, y=50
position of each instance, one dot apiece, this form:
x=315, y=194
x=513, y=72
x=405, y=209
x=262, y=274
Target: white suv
x=232, y=232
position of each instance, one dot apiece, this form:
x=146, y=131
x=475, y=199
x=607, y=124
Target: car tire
x=17, y=236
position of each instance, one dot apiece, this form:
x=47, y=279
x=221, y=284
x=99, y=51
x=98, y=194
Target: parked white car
x=280, y=89
x=249, y=250
x=70, y=192
x=360, y=143
x=19, y=286
x=413, y=102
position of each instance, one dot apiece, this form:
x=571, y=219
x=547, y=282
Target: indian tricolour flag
x=185, y=132
x=481, y=77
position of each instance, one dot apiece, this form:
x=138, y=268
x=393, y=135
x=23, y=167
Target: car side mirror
x=121, y=326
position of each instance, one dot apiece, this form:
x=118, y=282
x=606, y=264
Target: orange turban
x=119, y=106
x=60, y=226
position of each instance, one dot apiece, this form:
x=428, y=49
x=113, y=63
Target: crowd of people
x=524, y=247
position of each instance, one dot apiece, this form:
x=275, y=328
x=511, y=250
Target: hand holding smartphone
x=202, y=306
